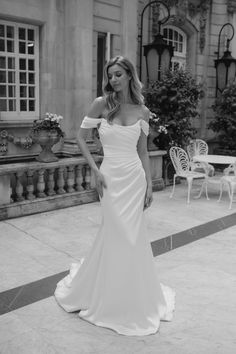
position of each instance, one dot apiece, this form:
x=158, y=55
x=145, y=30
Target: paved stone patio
x=201, y=267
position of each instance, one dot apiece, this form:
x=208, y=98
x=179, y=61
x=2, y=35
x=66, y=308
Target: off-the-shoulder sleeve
x=144, y=126
x=88, y=122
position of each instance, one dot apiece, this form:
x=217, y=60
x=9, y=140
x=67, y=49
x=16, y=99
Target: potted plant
x=224, y=122
x=47, y=131
x=174, y=99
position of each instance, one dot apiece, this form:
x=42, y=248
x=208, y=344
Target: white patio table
x=217, y=159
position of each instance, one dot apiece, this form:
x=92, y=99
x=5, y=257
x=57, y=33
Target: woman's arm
x=95, y=111
x=143, y=154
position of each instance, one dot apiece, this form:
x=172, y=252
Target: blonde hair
x=135, y=86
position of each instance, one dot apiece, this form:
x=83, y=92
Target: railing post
x=19, y=187
x=5, y=189
x=79, y=178
x=61, y=181
x=41, y=184
x=30, y=186
x=87, y=177
x=70, y=179
x=51, y=182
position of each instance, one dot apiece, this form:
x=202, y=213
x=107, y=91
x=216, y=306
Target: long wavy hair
x=135, y=86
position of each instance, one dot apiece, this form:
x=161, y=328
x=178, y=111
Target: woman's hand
x=148, y=197
x=100, y=183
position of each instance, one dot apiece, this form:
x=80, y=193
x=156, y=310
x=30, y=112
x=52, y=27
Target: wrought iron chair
x=230, y=181
x=182, y=166
x=199, y=147
x=229, y=170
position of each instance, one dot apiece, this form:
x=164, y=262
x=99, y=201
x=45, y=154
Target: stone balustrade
x=33, y=187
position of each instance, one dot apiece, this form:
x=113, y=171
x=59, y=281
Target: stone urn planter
x=46, y=139
x=46, y=132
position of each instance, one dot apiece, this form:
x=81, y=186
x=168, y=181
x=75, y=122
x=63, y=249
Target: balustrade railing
x=31, y=187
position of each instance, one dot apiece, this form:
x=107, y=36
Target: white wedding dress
x=116, y=286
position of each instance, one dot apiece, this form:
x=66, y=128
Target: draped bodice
x=118, y=141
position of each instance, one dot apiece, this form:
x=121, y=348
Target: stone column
x=78, y=62
x=130, y=29
x=52, y=65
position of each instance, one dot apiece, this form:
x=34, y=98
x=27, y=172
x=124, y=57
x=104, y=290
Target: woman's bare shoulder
x=100, y=101
x=97, y=107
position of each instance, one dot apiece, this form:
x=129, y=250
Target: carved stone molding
x=23, y=142
x=181, y=12
x=177, y=20
x=199, y=7
x=204, y=7
x=191, y=8
x=231, y=6
x=182, y=8
x=155, y=19
x=170, y=3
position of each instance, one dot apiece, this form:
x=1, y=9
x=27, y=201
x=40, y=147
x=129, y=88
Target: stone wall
x=67, y=38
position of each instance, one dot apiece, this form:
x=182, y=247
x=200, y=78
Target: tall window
x=103, y=55
x=178, y=40
x=19, y=71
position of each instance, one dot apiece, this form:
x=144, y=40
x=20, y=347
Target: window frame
x=18, y=115
x=106, y=48
x=178, y=57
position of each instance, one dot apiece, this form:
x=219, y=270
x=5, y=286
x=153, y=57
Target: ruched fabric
x=117, y=286
x=89, y=123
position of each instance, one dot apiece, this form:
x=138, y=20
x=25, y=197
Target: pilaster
x=78, y=62
x=129, y=29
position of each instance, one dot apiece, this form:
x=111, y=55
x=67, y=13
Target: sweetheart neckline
x=123, y=126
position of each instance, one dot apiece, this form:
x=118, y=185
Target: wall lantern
x=158, y=54
x=226, y=65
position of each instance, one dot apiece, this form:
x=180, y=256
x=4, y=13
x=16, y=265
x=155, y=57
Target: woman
x=117, y=286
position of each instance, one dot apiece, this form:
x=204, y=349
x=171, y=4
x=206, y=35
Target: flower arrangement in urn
x=50, y=121
x=47, y=132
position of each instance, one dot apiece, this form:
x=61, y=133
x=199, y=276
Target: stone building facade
x=52, y=53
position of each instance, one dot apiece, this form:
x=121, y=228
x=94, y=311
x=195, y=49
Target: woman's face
x=118, y=78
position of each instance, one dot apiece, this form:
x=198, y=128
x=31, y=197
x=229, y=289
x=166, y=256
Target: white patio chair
x=230, y=181
x=181, y=163
x=229, y=170
x=199, y=147
x=210, y=180
x=217, y=180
